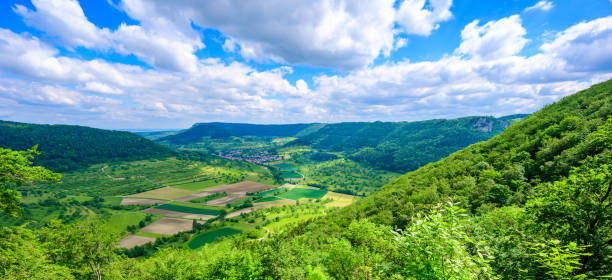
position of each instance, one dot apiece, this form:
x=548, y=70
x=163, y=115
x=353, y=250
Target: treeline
x=68, y=147
x=404, y=146
x=215, y=130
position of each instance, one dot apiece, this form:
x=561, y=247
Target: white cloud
x=484, y=76
x=584, y=46
x=541, y=6
x=416, y=18
x=495, y=39
x=159, y=42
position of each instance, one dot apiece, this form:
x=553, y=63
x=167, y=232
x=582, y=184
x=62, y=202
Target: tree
x=81, y=246
x=16, y=170
x=578, y=210
x=437, y=247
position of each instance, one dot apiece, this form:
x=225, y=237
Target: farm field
x=168, y=226
x=210, y=236
x=241, y=188
x=291, y=175
x=143, y=201
x=299, y=193
x=338, y=199
x=177, y=214
x=187, y=209
x=267, y=199
x=225, y=200
x=131, y=241
x=166, y=193
x=270, y=192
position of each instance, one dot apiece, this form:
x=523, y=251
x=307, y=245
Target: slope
x=217, y=130
x=69, y=147
x=404, y=146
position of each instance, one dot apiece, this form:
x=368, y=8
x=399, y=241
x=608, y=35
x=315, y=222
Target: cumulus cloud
x=495, y=39
x=158, y=42
x=416, y=18
x=543, y=5
x=584, y=46
x=485, y=75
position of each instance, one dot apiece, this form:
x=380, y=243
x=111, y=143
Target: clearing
x=261, y=206
x=241, y=188
x=141, y=201
x=339, y=199
x=164, y=193
x=225, y=200
x=132, y=241
x=211, y=236
x=169, y=226
x=184, y=215
x=299, y=193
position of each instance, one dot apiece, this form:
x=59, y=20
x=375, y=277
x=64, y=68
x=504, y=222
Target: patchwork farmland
x=179, y=207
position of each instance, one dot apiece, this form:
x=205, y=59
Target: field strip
x=194, y=196
x=169, y=226
x=163, y=193
x=258, y=207
x=176, y=214
x=225, y=200
x=131, y=241
x=141, y=201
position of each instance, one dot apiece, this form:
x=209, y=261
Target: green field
x=186, y=209
x=208, y=237
x=298, y=193
x=285, y=167
x=208, y=198
x=291, y=175
x=266, y=199
x=196, y=185
x=270, y=192
x=120, y=221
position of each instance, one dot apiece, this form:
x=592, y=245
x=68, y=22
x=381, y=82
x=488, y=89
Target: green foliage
x=437, y=247
x=69, y=147
x=186, y=209
x=210, y=236
x=577, y=210
x=299, y=193
x=15, y=171
x=225, y=130
x=557, y=261
x=403, y=146
x=85, y=247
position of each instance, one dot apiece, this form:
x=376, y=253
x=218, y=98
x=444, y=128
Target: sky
x=157, y=64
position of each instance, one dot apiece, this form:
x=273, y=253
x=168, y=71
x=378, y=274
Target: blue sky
x=168, y=64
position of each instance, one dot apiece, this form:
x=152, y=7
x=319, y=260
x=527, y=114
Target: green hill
x=404, y=146
x=217, y=130
x=69, y=147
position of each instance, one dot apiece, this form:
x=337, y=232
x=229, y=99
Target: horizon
x=173, y=129
x=127, y=64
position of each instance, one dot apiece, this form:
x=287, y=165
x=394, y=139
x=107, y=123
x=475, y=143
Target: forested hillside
x=404, y=146
x=530, y=203
x=69, y=147
x=200, y=131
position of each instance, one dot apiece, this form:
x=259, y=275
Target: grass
x=211, y=236
x=208, y=197
x=196, y=205
x=196, y=185
x=164, y=193
x=291, y=175
x=285, y=167
x=266, y=199
x=270, y=192
x=121, y=220
x=298, y=193
x=149, y=234
x=112, y=200
x=191, y=210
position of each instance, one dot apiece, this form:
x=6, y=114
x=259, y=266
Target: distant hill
x=69, y=147
x=218, y=130
x=404, y=146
